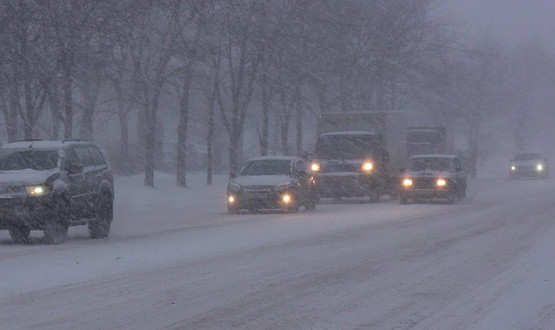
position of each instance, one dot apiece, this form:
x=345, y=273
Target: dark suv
x=51, y=185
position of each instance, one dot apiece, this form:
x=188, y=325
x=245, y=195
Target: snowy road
x=175, y=259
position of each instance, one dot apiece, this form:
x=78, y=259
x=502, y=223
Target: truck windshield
x=348, y=146
x=13, y=160
x=267, y=167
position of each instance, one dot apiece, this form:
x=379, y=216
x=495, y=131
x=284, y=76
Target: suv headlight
x=315, y=167
x=234, y=186
x=37, y=190
x=367, y=166
x=282, y=186
x=441, y=182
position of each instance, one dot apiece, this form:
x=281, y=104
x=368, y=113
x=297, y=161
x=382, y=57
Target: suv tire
x=56, y=227
x=104, y=210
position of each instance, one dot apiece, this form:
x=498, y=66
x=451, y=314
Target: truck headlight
x=315, y=167
x=367, y=166
x=441, y=182
x=286, y=198
x=37, y=190
x=407, y=182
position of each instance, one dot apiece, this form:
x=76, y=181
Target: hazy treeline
x=265, y=68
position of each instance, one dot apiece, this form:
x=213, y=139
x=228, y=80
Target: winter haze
x=179, y=94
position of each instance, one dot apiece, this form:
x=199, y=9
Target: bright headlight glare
x=441, y=182
x=513, y=168
x=286, y=198
x=539, y=167
x=36, y=190
x=407, y=182
x=315, y=167
x=231, y=199
x=367, y=166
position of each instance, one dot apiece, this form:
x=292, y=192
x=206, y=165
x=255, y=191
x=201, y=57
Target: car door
x=89, y=176
x=76, y=184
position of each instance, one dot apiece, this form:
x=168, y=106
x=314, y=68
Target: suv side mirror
x=75, y=168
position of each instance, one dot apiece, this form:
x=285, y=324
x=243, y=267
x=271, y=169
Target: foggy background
x=187, y=86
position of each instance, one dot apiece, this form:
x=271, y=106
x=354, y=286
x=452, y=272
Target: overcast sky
x=511, y=20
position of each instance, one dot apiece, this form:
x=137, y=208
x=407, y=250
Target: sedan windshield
x=528, y=156
x=267, y=167
x=434, y=164
x=13, y=160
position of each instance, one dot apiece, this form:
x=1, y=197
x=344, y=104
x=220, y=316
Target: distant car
x=529, y=165
x=433, y=177
x=51, y=185
x=272, y=182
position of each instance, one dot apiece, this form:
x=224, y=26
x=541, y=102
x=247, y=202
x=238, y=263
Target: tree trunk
x=182, y=128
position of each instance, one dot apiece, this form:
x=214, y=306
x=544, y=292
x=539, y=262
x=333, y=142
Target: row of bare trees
x=237, y=67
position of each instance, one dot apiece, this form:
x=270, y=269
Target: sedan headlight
x=441, y=182
x=282, y=186
x=37, y=190
x=234, y=186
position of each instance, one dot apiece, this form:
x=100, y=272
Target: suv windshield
x=528, y=156
x=434, y=164
x=13, y=160
x=348, y=146
x=267, y=167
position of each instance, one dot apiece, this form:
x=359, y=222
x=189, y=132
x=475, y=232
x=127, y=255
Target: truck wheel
x=55, y=228
x=374, y=196
x=20, y=233
x=104, y=210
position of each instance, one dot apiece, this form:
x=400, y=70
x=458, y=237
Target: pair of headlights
x=367, y=166
x=539, y=167
x=440, y=182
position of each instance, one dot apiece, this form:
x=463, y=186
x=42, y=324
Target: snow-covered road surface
x=175, y=259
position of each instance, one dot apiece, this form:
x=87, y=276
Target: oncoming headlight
x=286, y=198
x=37, y=190
x=441, y=182
x=539, y=167
x=367, y=166
x=315, y=167
x=513, y=168
x=231, y=199
x=407, y=182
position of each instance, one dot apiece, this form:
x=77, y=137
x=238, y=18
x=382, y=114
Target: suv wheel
x=104, y=210
x=55, y=228
x=20, y=233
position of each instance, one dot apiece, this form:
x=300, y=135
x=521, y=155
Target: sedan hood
x=26, y=176
x=261, y=180
x=428, y=174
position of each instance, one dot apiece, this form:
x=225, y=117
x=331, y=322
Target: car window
x=300, y=167
x=528, y=156
x=267, y=167
x=434, y=164
x=97, y=158
x=83, y=156
x=12, y=160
